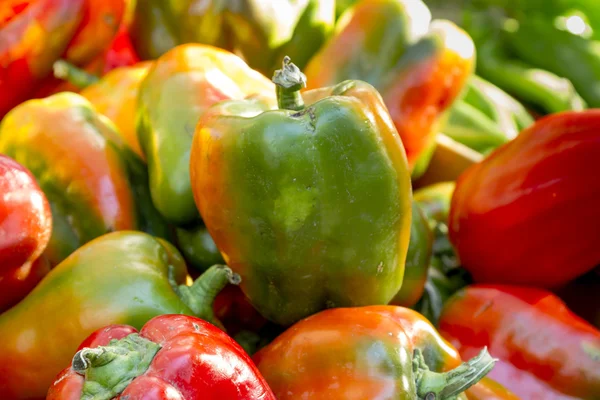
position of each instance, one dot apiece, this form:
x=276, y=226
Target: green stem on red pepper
x=289, y=80
x=108, y=370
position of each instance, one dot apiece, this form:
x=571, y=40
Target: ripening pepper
x=544, y=350
x=261, y=31
x=118, y=362
x=419, y=68
x=25, y=228
x=174, y=94
x=114, y=95
x=120, y=278
x=95, y=184
x=376, y=352
x=33, y=34
x=309, y=203
x=418, y=258
x=527, y=214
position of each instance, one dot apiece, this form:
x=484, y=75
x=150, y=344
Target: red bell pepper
x=173, y=357
x=528, y=214
x=545, y=351
x=25, y=229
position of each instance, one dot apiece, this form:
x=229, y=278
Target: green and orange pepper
x=95, y=184
x=419, y=68
x=179, y=87
x=376, y=352
x=309, y=203
x=120, y=278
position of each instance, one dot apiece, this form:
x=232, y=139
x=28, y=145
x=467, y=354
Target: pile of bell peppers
x=313, y=199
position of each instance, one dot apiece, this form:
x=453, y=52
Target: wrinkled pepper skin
x=419, y=68
x=33, y=34
x=174, y=94
x=93, y=182
x=261, y=31
x=527, y=214
x=25, y=229
x=99, y=25
x=286, y=193
x=115, y=96
x=545, y=351
x=417, y=260
x=120, y=278
x=355, y=353
x=173, y=348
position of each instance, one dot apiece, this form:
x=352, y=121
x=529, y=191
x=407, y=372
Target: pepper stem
x=108, y=370
x=68, y=72
x=289, y=80
x=448, y=385
x=199, y=297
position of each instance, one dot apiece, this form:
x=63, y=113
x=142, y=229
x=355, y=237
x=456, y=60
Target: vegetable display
x=299, y=199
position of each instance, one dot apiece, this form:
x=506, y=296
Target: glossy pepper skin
x=286, y=193
x=158, y=362
x=180, y=86
x=93, y=182
x=488, y=389
x=261, y=31
x=376, y=352
x=25, y=228
x=545, y=350
x=120, y=278
x=417, y=260
x=527, y=214
x=34, y=35
x=419, y=68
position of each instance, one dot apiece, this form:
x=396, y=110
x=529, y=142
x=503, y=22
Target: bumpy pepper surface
x=545, y=351
x=527, y=214
x=173, y=96
x=25, y=228
x=95, y=184
x=119, y=278
x=418, y=68
x=310, y=203
x=377, y=352
x=117, y=362
x=262, y=31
